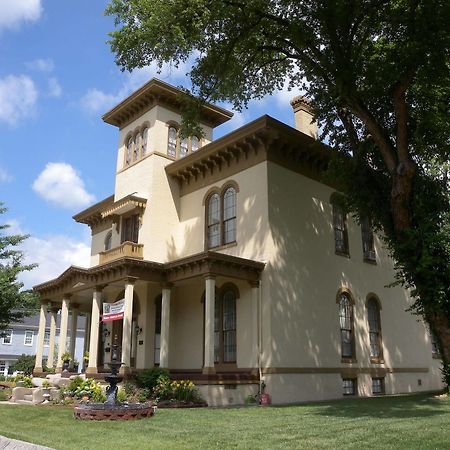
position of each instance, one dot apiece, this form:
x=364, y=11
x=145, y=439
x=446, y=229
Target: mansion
x=235, y=266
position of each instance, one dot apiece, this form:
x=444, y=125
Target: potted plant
x=65, y=357
x=46, y=386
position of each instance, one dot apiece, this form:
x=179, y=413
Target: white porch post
x=127, y=320
x=51, y=344
x=94, y=330
x=63, y=331
x=210, y=297
x=255, y=328
x=165, y=327
x=73, y=334
x=40, y=339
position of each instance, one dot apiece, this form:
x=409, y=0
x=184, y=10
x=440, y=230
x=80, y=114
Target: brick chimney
x=304, y=118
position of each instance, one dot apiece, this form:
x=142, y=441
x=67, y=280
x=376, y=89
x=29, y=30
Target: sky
x=57, y=157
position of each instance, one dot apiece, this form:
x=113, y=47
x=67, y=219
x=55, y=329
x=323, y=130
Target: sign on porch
x=113, y=311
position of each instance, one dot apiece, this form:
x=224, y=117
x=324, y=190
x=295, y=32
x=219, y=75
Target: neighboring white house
x=236, y=266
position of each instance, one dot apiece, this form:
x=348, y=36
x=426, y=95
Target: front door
x=117, y=329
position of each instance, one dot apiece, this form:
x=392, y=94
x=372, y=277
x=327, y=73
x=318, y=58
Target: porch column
x=40, y=339
x=255, y=324
x=51, y=344
x=127, y=320
x=94, y=330
x=165, y=327
x=210, y=297
x=63, y=331
x=73, y=334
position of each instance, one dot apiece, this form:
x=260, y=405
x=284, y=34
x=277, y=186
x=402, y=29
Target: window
x=108, y=241
x=434, y=346
x=130, y=228
x=373, y=316
x=349, y=386
x=129, y=151
x=136, y=147
x=47, y=338
x=221, y=218
x=28, y=340
x=7, y=337
x=177, y=147
x=3, y=370
x=367, y=239
x=346, y=325
x=144, y=141
x=377, y=386
x=340, y=230
x=158, y=312
x=225, y=327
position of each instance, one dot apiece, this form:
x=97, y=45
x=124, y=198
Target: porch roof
x=76, y=279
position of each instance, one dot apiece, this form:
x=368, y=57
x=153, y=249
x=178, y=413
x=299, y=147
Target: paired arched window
x=373, y=317
x=225, y=326
x=178, y=147
x=221, y=218
x=346, y=325
x=144, y=141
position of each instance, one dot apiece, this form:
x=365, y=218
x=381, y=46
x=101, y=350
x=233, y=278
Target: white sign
x=113, y=311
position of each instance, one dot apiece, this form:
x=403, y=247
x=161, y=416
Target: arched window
x=172, y=142
x=229, y=215
x=367, y=239
x=129, y=151
x=195, y=143
x=184, y=147
x=346, y=325
x=340, y=230
x=144, y=141
x=373, y=317
x=225, y=327
x=213, y=217
x=108, y=241
x=136, y=146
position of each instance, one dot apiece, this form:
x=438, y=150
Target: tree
x=25, y=364
x=377, y=73
x=15, y=303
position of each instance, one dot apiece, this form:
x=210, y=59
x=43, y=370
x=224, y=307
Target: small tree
x=24, y=364
x=15, y=303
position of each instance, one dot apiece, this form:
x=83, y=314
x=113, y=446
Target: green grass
x=410, y=422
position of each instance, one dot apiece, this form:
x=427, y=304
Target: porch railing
x=128, y=249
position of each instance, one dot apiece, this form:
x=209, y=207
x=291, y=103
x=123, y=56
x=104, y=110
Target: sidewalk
x=13, y=444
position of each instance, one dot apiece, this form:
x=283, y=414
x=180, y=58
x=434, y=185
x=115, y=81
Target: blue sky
x=57, y=157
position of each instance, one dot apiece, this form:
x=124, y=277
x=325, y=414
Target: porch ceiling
x=75, y=280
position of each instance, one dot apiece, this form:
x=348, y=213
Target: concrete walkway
x=13, y=444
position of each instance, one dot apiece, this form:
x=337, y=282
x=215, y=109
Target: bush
x=4, y=395
x=71, y=388
x=149, y=378
x=92, y=389
x=26, y=381
x=177, y=391
x=24, y=364
x=122, y=396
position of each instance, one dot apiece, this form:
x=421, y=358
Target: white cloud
x=53, y=254
x=13, y=12
x=18, y=96
x=59, y=183
x=5, y=177
x=54, y=88
x=42, y=65
x=96, y=101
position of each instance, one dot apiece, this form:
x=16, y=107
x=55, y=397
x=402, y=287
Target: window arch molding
x=375, y=297
x=346, y=315
x=373, y=311
x=107, y=242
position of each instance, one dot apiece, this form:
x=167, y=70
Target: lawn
x=410, y=422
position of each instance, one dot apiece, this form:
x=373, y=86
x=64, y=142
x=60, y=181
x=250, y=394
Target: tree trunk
x=441, y=328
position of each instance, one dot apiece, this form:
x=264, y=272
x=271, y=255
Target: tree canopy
x=377, y=73
x=15, y=303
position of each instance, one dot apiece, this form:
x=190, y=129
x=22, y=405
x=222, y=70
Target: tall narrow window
x=184, y=147
x=225, y=327
x=47, y=338
x=434, y=346
x=28, y=339
x=367, y=239
x=129, y=151
x=136, y=147
x=340, y=230
x=213, y=208
x=195, y=143
x=229, y=216
x=373, y=316
x=158, y=314
x=144, y=142
x=130, y=229
x=172, y=142
x=7, y=337
x=346, y=325
x=108, y=241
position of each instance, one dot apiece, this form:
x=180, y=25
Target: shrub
x=92, y=389
x=149, y=378
x=24, y=364
x=26, y=381
x=71, y=388
x=4, y=395
x=178, y=391
x=122, y=396
x=129, y=387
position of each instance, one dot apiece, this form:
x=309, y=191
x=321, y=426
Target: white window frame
x=10, y=337
x=25, y=338
x=46, y=341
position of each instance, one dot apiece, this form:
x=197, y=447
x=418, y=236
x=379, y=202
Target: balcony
x=127, y=249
